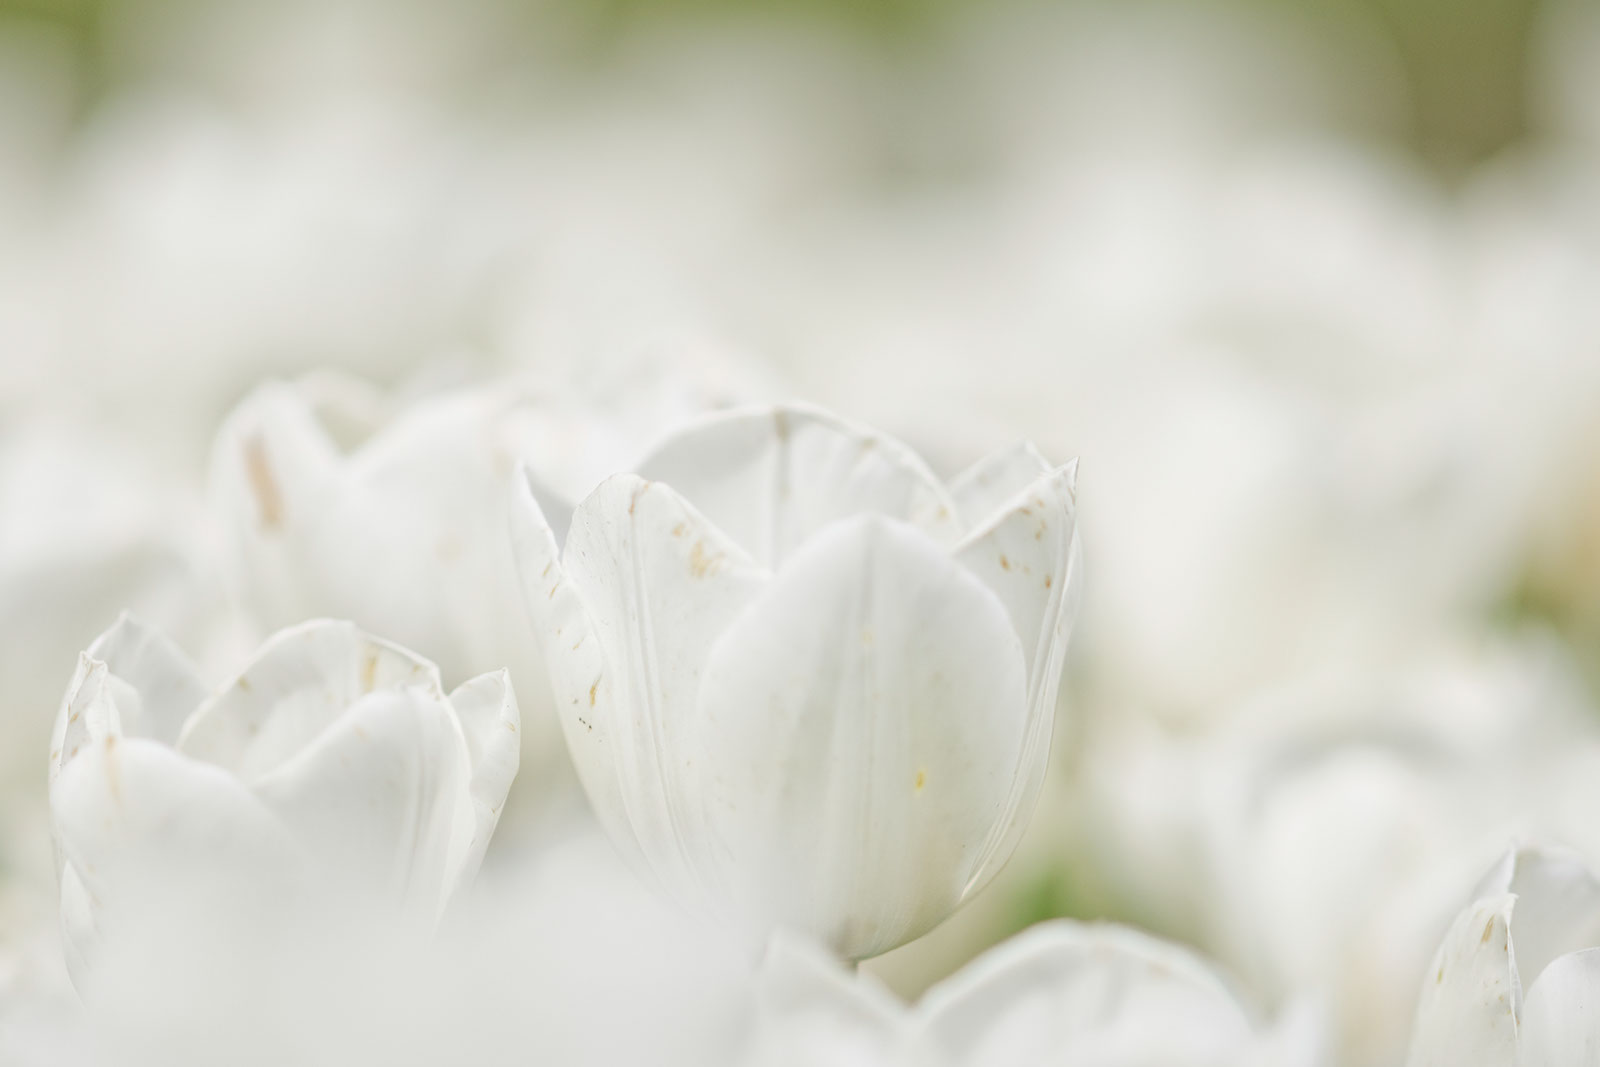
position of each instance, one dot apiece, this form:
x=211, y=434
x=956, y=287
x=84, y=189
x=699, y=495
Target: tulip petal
x=1561, y=1022
x=1030, y=556
x=166, y=686
x=404, y=535
x=1558, y=905
x=132, y=681
x=1067, y=993
x=987, y=486
x=658, y=583
x=486, y=708
x=140, y=826
x=379, y=796
x=88, y=713
x=299, y=683
x=272, y=461
x=860, y=724
x=573, y=659
x=771, y=478
x=1471, y=1000
x=812, y=1011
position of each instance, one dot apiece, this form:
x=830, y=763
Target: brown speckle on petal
x=263, y=483
x=701, y=562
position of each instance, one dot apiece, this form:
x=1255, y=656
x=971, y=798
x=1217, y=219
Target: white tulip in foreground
x=802, y=680
x=1060, y=993
x=333, y=764
x=1516, y=982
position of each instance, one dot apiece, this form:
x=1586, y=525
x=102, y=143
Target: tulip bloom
x=1060, y=993
x=804, y=682
x=1516, y=982
x=334, y=762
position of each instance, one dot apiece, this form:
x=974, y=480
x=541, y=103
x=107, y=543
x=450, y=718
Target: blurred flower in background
x=288, y=291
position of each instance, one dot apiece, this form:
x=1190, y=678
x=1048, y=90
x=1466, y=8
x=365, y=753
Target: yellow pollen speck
x=922, y=779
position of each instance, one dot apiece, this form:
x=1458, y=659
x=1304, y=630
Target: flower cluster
x=537, y=537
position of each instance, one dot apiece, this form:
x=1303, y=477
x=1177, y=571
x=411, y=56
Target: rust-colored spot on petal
x=263, y=483
x=701, y=562
x=369, y=670
x=1048, y=581
x=1006, y=563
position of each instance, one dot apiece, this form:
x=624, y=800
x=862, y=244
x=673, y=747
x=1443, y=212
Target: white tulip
x=333, y=764
x=1516, y=982
x=803, y=682
x=1060, y=993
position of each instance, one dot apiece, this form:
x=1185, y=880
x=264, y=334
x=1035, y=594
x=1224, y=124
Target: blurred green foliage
x=1465, y=61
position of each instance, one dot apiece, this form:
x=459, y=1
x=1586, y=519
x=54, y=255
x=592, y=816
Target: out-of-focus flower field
x=344, y=309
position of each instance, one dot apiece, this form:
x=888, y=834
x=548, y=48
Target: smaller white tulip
x=333, y=767
x=1516, y=981
x=1060, y=993
x=804, y=683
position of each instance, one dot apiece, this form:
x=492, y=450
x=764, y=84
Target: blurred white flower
x=1516, y=982
x=1060, y=993
x=1315, y=845
x=799, y=676
x=334, y=763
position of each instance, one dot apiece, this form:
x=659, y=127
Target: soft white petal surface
x=163, y=686
x=299, y=683
x=1467, y=1015
x=491, y=726
x=1029, y=555
x=1561, y=1021
x=1558, y=906
x=812, y=1012
x=1074, y=995
x=986, y=487
x=772, y=478
x=141, y=827
x=860, y=725
x=659, y=584
x=380, y=797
